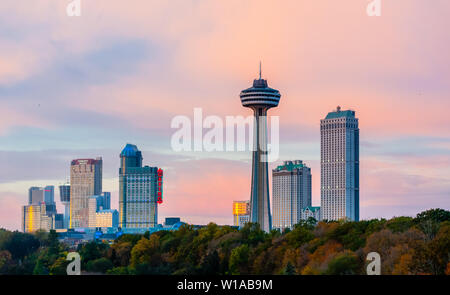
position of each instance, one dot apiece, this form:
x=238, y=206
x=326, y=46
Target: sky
x=78, y=87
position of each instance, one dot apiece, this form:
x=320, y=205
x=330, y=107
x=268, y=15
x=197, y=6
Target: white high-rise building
x=291, y=185
x=339, y=182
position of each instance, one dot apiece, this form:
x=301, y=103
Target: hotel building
x=85, y=181
x=339, y=181
x=291, y=185
x=140, y=190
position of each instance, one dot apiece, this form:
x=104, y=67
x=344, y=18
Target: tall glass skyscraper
x=85, y=181
x=140, y=190
x=291, y=185
x=339, y=182
x=260, y=98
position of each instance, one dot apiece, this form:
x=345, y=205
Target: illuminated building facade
x=85, y=181
x=241, y=213
x=34, y=217
x=107, y=218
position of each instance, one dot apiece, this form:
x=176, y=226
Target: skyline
x=81, y=88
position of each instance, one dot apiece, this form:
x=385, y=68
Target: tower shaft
x=259, y=197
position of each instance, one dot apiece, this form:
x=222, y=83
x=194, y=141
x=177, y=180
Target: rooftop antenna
x=259, y=70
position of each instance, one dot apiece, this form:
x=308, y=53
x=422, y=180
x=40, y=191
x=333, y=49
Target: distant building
x=41, y=197
x=49, y=199
x=241, y=213
x=140, y=190
x=106, y=201
x=64, y=195
x=58, y=221
x=170, y=221
x=339, y=183
x=85, y=181
x=107, y=218
x=34, y=217
x=102, y=204
x=49, y=195
x=310, y=211
x=291, y=185
x=35, y=195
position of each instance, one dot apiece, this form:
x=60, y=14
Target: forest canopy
x=407, y=246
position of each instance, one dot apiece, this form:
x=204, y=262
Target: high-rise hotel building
x=291, y=186
x=140, y=190
x=339, y=182
x=85, y=181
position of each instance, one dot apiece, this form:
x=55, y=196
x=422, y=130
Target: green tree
x=211, y=264
x=6, y=262
x=239, y=260
x=101, y=265
x=400, y=224
x=59, y=267
x=289, y=269
x=429, y=221
x=343, y=264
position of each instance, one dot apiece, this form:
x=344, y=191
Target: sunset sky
x=78, y=87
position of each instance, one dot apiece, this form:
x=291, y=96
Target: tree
x=301, y=234
x=400, y=224
x=429, y=221
x=19, y=244
x=289, y=269
x=239, y=259
x=101, y=265
x=211, y=264
x=59, y=267
x=144, y=249
x=120, y=253
x=6, y=261
x=439, y=249
x=92, y=251
x=345, y=263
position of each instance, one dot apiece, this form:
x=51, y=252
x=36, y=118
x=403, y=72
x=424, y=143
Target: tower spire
x=259, y=70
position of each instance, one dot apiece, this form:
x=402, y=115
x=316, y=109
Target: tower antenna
x=259, y=70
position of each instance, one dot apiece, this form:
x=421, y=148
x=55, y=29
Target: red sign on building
x=159, y=192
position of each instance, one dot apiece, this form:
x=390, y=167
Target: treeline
x=407, y=246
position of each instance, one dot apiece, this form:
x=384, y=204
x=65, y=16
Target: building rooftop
x=311, y=208
x=290, y=165
x=340, y=114
x=130, y=150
